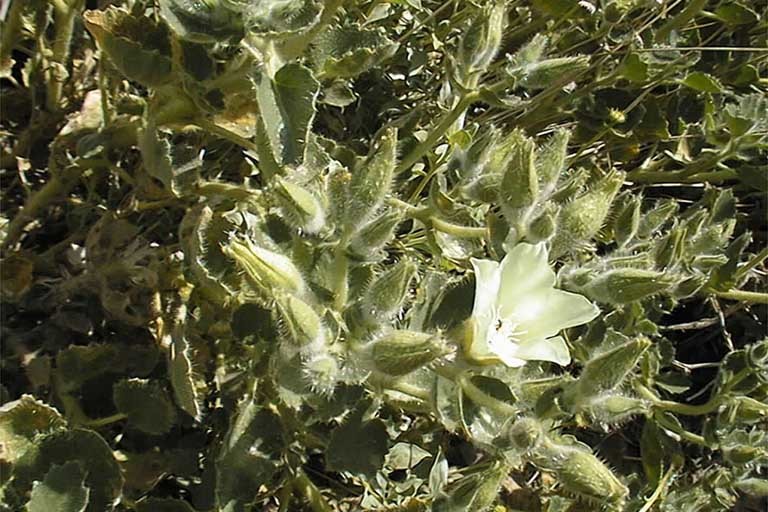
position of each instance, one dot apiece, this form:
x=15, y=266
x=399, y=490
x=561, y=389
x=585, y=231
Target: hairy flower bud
x=268, y=270
x=581, y=473
x=388, y=292
x=542, y=227
x=625, y=285
x=371, y=181
x=608, y=370
x=550, y=160
x=582, y=218
x=482, y=39
x=520, y=184
x=372, y=237
x=525, y=434
x=613, y=408
x=301, y=208
x=303, y=324
x=627, y=221
x=398, y=353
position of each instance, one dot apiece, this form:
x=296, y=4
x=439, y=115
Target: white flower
x=518, y=312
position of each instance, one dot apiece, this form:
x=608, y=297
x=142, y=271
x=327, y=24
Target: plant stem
x=284, y=496
x=341, y=270
x=458, y=230
x=310, y=491
x=436, y=133
x=684, y=434
x=643, y=177
x=476, y=394
x=752, y=263
x=103, y=422
x=66, y=13
x=685, y=409
x=11, y=30
x=743, y=295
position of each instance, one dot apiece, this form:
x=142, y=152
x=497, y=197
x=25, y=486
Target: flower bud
x=627, y=221
x=581, y=473
x=525, y=434
x=371, y=239
x=655, y=218
x=474, y=491
x=550, y=160
x=542, y=227
x=608, y=370
x=268, y=270
x=625, y=285
x=386, y=295
x=321, y=369
x=371, y=181
x=303, y=324
x=613, y=408
x=398, y=353
x=670, y=249
x=520, y=184
x=582, y=218
x=482, y=39
x=301, y=208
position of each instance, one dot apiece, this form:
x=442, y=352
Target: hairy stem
x=744, y=296
x=66, y=13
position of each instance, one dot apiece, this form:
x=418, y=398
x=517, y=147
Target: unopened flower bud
x=303, y=323
x=581, y=473
x=372, y=237
x=268, y=270
x=542, y=227
x=627, y=221
x=625, y=285
x=670, y=249
x=613, y=408
x=388, y=292
x=482, y=39
x=400, y=352
x=550, y=160
x=520, y=184
x=582, y=218
x=301, y=208
x=474, y=491
x=608, y=370
x=371, y=181
x=525, y=434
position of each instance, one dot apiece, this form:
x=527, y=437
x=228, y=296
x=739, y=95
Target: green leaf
x=531, y=70
x=477, y=490
x=62, y=490
x=202, y=21
x=702, y=82
x=77, y=364
x=358, y=446
x=83, y=447
x=483, y=423
x=180, y=375
x=287, y=107
x=146, y=404
x=138, y=47
x=281, y=19
x=634, y=69
x=177, y=166
x=22, y=421
x=249, y=456
x=347, y=51
x=736, y=14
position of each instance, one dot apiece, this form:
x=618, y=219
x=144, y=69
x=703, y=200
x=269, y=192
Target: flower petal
x=546, y=313
x=505, y=350
x=547, y=349
x=487, y=281
x=523, y=270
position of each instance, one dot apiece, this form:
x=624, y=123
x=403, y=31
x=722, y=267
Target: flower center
x=503, y=330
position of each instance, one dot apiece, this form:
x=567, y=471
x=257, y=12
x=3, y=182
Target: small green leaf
x=287, y=106
x=62, y=490
x=703, y=82
x=358, y=446
x=146, y=404
x=736, y=14
x=347, y=51
x=83, y=447
x=202, y=21
x=138, y=47
x=21, y=421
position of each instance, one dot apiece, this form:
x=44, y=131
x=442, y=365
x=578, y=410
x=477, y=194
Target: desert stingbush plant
x=407, y=255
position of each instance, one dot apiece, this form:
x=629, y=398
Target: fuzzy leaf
x=21, y=421
x=347, y=51
x=146, y=404
x=62, y=490
x=201, y=21
x=358, y=446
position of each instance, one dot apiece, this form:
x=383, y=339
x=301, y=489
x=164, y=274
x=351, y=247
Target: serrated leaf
x=62, y=490
x=84, y=447
x=146, y=404
x=21, y=421
x=281, y=19
x=358, y=446
x=176, y=166
x=347, y=51
x=702, y=82
x=180, y=375
x=287, y=108
x=138, y=47
x=249, y=457
x=202, y=21
x=78, y=364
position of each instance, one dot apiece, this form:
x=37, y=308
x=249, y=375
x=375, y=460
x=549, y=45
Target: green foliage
x=237, y=244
